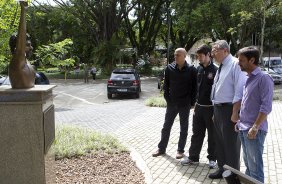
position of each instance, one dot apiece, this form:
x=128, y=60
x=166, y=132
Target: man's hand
x=236, y=128
x=235, y=117
x=23, y=4
x=252, y=132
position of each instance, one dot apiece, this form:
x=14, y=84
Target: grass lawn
x=72, y=141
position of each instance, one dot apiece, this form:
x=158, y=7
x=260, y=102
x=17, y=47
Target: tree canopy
x=101, y=29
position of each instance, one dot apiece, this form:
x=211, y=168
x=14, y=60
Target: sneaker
x=187, y=161
x=212, y=164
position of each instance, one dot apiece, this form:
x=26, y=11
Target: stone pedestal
x=27, y=131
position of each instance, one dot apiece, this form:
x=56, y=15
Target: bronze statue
x=21, y=72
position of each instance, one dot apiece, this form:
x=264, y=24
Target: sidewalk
x=143, y=134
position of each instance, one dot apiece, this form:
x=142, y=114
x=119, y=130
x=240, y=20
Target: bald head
x=179, y=56
x=181, y=50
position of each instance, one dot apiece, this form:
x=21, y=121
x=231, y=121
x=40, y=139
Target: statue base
x=27, y=129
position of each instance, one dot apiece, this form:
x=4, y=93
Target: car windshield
x=129, y=76
x=276, y=62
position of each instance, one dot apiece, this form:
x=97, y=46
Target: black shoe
x=217, y=174
x=158, y=153
x=179, y=155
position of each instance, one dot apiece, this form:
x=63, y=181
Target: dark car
x=2, y=79
x=124, y=81
x=40, y=79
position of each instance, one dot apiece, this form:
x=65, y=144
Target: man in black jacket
x=203, y=112
x=180, y=88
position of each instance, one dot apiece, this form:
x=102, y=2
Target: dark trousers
x=227, y=140
x=94, y=76
x=202, y=120
x=171, y=111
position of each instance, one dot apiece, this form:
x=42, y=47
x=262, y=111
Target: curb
x=141, y=164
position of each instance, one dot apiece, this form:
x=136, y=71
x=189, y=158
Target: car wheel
x=137, y=95
x=110, y=96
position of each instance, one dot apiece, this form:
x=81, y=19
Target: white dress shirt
x=228, y=88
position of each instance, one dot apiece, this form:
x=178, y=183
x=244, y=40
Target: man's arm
x=266, y=94
x=235, y=111
x=254, y=130
x=240, y=79
x=194, y=85
x=166, y=84
x=239, y=83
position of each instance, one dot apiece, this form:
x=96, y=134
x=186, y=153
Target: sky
x=45, y=1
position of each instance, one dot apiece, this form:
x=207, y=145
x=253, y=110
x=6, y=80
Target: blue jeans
x=252, y=154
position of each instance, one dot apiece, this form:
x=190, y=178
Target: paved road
x=139, y=127
x=87, y=104
x=76, y=93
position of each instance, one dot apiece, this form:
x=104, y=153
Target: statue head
x=13, y=44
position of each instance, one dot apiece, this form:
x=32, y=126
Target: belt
x=203, y=105
x=223, y=104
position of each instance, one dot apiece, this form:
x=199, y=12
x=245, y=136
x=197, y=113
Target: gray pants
x=227, y=140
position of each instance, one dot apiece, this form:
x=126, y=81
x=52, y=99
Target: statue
x=21, y=72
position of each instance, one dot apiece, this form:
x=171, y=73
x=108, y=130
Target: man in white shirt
x=227, y=92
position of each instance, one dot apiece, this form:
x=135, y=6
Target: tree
x=142, y=30
x=57, y=54
x=9, y=19
x=99, y=21
x=233, y=20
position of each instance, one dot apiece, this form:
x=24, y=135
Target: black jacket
x=204, y=82
x=180, y=86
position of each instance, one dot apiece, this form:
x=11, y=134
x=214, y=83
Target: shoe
x=212, y=164
x=188, y=161
x=158, y=153
x=179, y=155
x=217, y=174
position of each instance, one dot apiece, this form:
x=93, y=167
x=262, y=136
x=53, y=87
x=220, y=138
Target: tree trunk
x=262, y=30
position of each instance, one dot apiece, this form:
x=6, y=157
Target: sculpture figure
x=21, y=72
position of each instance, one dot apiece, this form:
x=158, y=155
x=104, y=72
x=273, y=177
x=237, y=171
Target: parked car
x=2, y=79
x=277, y=70
x=272, y=62
x=277, y=79
x=124, y=81
x=40, y=79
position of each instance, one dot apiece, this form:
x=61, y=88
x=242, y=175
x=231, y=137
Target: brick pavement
x=140, y=128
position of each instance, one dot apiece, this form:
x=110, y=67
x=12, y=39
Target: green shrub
x=156, y=101
x=52, y=70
